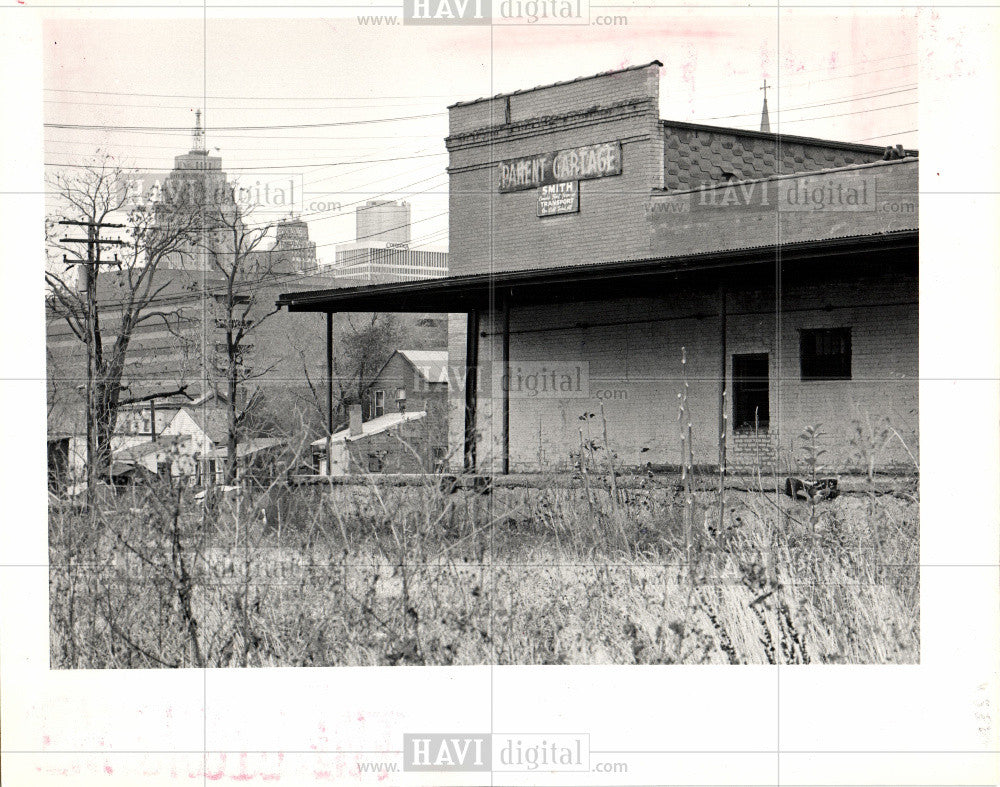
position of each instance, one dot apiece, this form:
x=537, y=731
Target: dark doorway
x=751, y=400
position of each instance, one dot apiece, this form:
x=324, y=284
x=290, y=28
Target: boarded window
x=825, y=353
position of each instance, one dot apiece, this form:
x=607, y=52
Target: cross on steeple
x=765, y=121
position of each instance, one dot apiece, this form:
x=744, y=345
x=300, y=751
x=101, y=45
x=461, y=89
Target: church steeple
x=765, y=121
x=198, y=135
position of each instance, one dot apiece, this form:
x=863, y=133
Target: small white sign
x=559, y=198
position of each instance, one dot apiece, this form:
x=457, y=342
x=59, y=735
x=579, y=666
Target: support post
x=329, y=372
x=329, y=392
x=723, y=432
x=471, y=384
x=91, y=269
x=89, y=274
x=505, y=357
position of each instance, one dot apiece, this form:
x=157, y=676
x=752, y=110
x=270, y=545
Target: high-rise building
x=292, y=251
x=198, y=182
x=382, y=253
x=383, y=222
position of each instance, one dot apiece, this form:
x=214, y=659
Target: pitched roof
x=432, y=365
x=213, y=421
x=134, y=453
x=696, y=154
x=247, y=447
x=375, y=426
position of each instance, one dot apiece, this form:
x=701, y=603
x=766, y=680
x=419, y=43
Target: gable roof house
x=407, y=381
x=608, y=264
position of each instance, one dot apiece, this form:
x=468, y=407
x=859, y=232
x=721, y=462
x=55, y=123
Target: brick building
x=604, y=259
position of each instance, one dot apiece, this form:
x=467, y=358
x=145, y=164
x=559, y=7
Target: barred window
x=825, y=353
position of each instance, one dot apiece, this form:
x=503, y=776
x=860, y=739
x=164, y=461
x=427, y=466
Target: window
x=378, y=403
x=751, y=398
x=374, y=463
x=439, y=458
x=825, y=353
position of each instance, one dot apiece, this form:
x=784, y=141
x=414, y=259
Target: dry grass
x=409, y=575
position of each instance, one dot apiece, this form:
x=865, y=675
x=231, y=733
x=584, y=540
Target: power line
x=889, y=134
x=787, y=84
x=861, y=97
x=245, y=98
x=278, y=278
x=845, y=114
x=187, y=131
x=340, y=108
x=303, y=165
x=174, y=147
x=447, y=96
x=283, y=138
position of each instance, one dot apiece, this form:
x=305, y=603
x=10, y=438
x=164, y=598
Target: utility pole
x=88, y=275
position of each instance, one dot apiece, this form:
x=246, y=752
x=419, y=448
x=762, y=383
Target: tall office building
x=383, y=222
x=381, y=252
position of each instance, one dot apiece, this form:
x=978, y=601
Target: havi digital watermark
x=470, y=752
x=485, y=12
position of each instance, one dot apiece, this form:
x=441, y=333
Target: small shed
x=392, y=443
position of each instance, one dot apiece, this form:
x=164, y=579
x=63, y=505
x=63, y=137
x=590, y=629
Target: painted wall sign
x=581, y=163
x=559, y=198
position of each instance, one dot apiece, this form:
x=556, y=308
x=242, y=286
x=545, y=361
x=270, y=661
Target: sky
x=369, y=102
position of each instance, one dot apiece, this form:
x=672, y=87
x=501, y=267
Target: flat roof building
x=701, y=293
x=381, y=252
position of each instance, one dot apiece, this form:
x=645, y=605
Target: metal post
x=471, y=384
x=329, y=372
x=722, y=382
x=505, y=357
x=329, y=393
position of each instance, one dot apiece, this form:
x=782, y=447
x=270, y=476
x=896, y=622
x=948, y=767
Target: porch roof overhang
x=587, y=281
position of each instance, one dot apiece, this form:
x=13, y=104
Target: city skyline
x=845, y=79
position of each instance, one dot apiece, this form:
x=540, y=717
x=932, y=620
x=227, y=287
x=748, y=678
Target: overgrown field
x=367, y=575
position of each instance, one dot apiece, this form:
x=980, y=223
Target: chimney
x=354, y=415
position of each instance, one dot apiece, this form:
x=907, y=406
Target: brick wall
x=641, y=82
x=408, y=448
x=633, y=347
x=755, y=214
x=633, y=351
x=493, y=231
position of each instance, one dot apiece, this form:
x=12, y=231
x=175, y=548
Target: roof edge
x=778, y=136
x=786, y=176
x=316, y=298
x=556, y=84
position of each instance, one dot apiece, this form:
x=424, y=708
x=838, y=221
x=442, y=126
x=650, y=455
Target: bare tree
x=366, y=346
x=104, y=318
x=232, y=246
